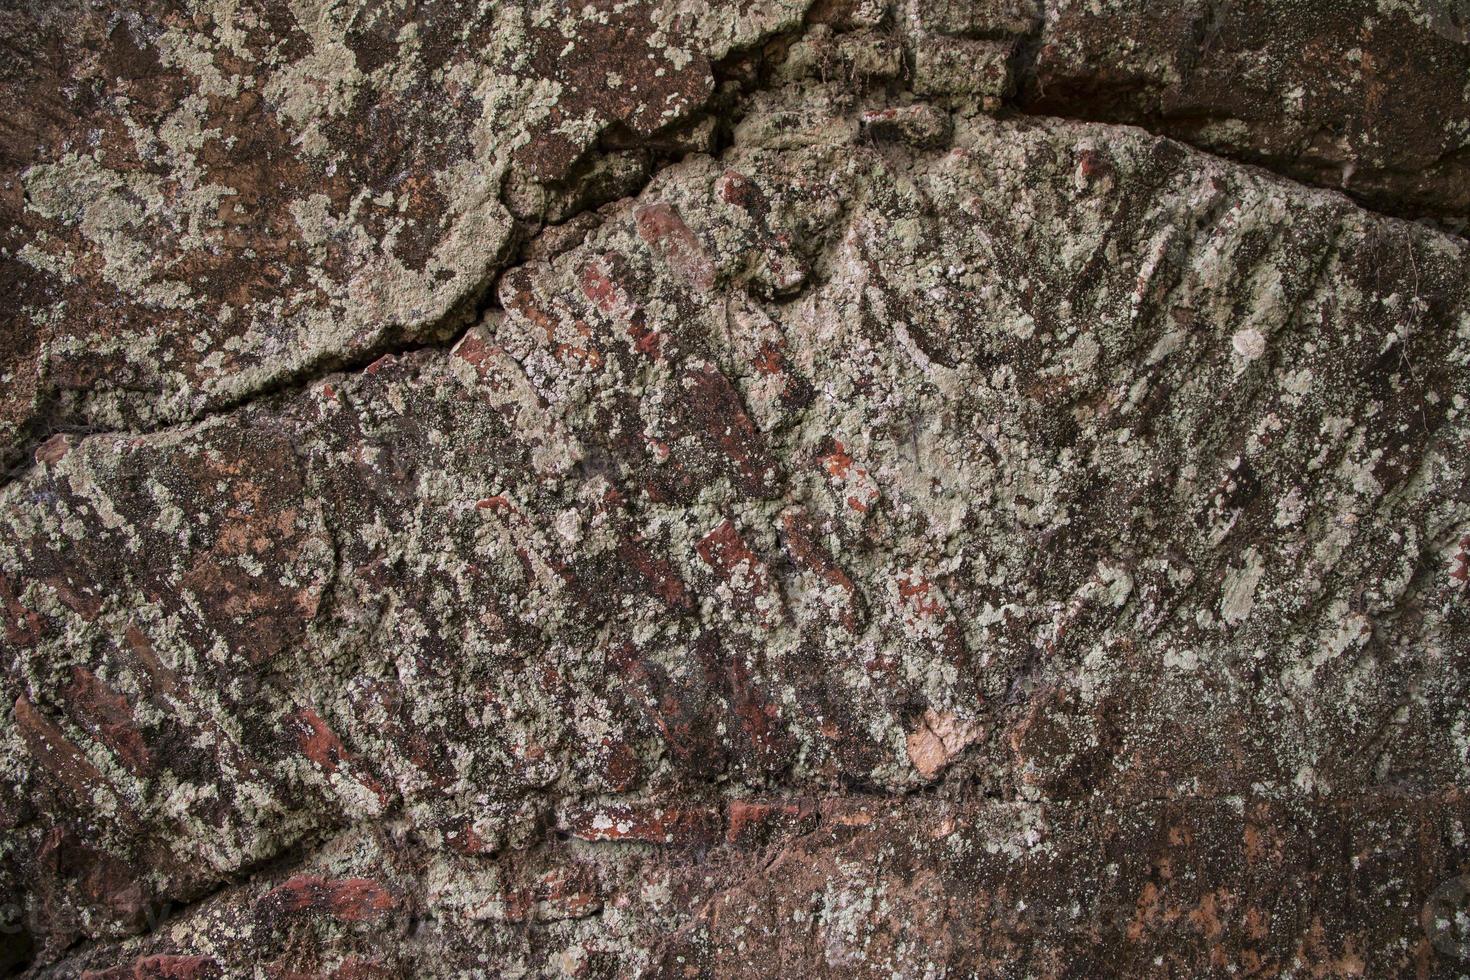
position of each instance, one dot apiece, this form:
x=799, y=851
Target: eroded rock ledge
x=871, y=529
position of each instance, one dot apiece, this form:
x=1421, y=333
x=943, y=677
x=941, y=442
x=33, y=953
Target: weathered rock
x=1369, y=96
x=908, y=540
x=202, y=203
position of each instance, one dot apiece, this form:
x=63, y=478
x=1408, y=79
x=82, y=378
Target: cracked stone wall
x=921, y=488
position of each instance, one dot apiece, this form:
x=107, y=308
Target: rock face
x=748, y=490
x=1369, y=96
x=206, y=202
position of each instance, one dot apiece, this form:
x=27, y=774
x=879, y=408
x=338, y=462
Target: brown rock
x=937, y=739
x=877, y=530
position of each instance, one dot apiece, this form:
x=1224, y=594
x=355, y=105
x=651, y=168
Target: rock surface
x=746, y=490
x=1369, y=96
x=205, y=202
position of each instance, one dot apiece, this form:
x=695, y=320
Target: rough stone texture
x=867, y=529
x=1370, y=96
x=202, y=202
